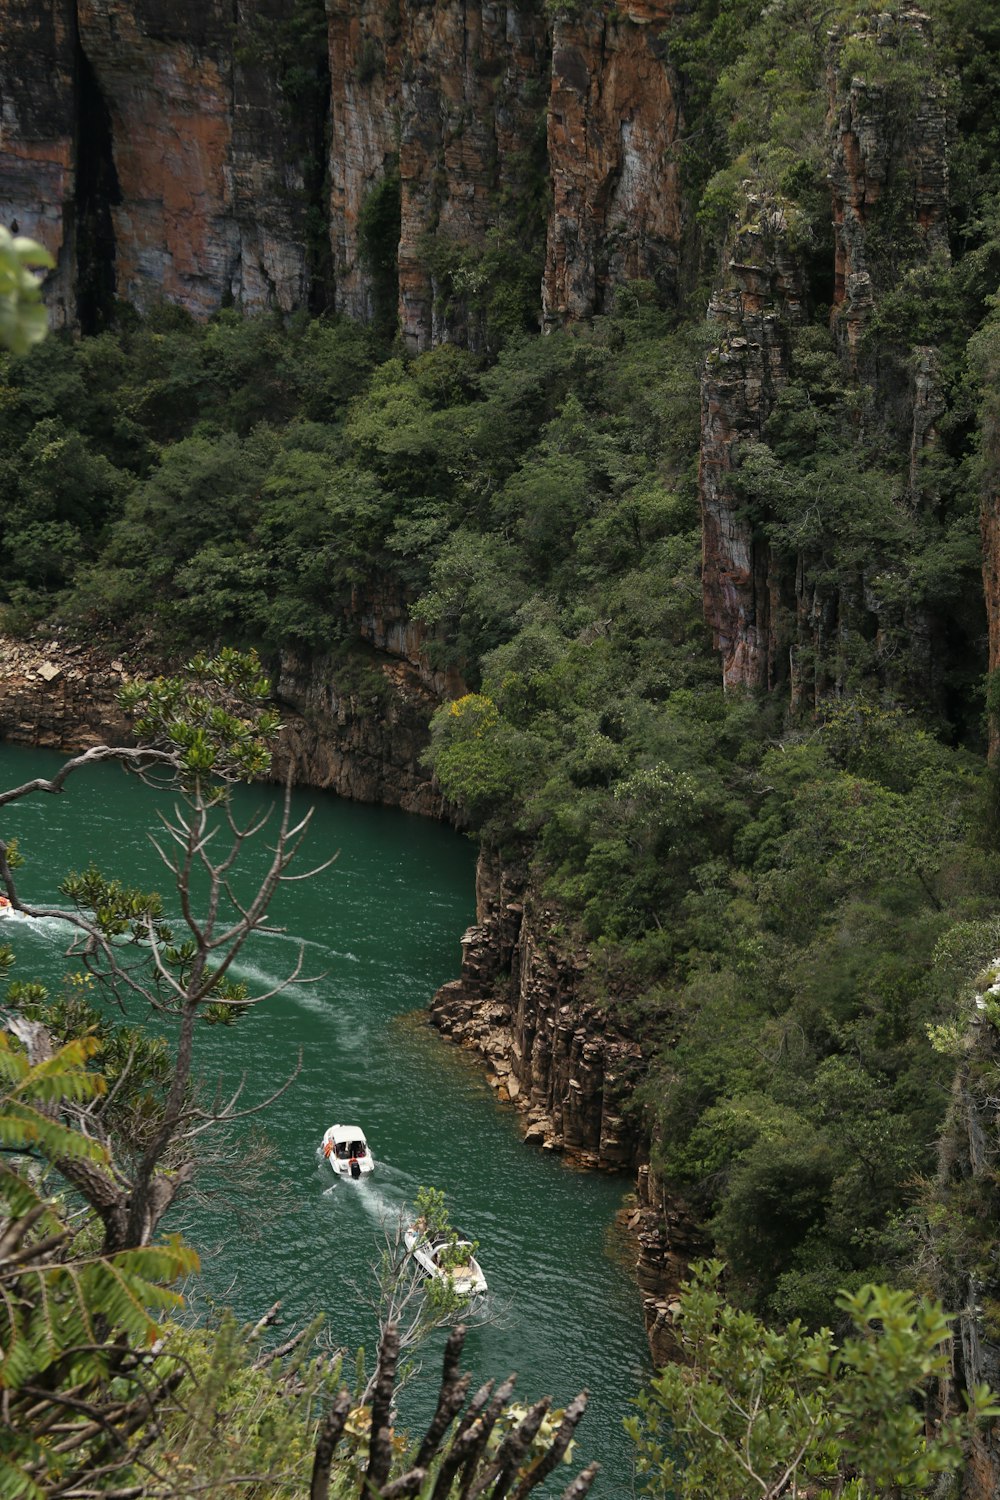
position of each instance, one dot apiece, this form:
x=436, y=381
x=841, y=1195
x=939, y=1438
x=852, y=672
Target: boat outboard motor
x=355, y=1166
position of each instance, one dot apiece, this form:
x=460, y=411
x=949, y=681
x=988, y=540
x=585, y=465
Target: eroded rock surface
x=60, y=697
x=613, y=126
x=364, y=743
x=177, y=152
x=553, y=1054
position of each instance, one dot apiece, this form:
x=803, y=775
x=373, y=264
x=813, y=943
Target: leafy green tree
x=75, y=1324
x=755, y=1411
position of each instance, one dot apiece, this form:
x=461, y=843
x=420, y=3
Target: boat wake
x=300, y=942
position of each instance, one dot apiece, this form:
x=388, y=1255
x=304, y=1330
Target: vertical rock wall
x=518, y=1002
x=770, y=620
x=563, y=1063
x=166, y=81
x=613, y=126
x=38, y=127
x=366, y=42
x=412, y=141
x=472, y=102
x=209, y=203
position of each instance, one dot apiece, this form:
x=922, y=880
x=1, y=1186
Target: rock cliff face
x=889, y=189
x=561, y=1062
x=359, y=733
x=889, y=184
x=158, y=145
x=38, y=144
x=518, y=1002
x=363, y=741
x=436, y=114
x=613, y=126
x=283, y=153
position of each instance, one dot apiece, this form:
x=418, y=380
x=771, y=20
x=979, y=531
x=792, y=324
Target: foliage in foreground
x=756, y=1411
x=76, y=1374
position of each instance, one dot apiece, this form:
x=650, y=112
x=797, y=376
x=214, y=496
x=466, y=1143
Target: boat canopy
x=347, y=1140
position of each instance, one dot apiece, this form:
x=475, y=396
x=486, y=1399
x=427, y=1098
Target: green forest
x=791, y=900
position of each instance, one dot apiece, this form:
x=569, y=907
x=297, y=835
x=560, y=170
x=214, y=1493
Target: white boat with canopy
x=347, y=1151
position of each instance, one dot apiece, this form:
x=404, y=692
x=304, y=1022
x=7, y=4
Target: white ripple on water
x=299, y=942
x=46, y=927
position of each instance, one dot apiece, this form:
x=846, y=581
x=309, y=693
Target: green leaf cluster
x=66, y=1314
x=752, y=1408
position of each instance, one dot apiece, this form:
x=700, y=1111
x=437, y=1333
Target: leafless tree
x=123, y=939
x=462, y=1455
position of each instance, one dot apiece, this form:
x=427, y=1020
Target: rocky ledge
x=61, y=696
x=563, y=1063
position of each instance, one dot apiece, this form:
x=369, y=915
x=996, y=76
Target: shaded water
x=379, y=932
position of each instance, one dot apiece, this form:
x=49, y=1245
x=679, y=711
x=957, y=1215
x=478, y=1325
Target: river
x=378, y=932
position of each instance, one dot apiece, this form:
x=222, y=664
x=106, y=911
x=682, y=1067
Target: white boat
x=347, y=1151
x=447, y=1257
x=6, y=910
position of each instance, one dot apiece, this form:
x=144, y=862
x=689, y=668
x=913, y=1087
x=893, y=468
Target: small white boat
x=347, y=1151
x=6, y=910
x=447, y=1257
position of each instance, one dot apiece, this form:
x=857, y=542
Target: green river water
x=380, y=931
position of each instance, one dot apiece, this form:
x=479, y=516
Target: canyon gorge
x=454, y=176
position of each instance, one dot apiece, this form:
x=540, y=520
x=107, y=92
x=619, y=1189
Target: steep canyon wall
x=362, y=154
x=773, y=623
x=559, y=1058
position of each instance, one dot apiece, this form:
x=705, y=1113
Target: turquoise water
x=378, y=932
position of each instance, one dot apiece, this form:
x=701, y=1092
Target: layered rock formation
x=38, y=136
x=563, y=1064
x=549, y=1051
x=436, y=117
x=178, y=152
x=889, y=188
x=666, y=1244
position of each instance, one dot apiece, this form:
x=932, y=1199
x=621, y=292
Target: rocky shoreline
x=564, y=1064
